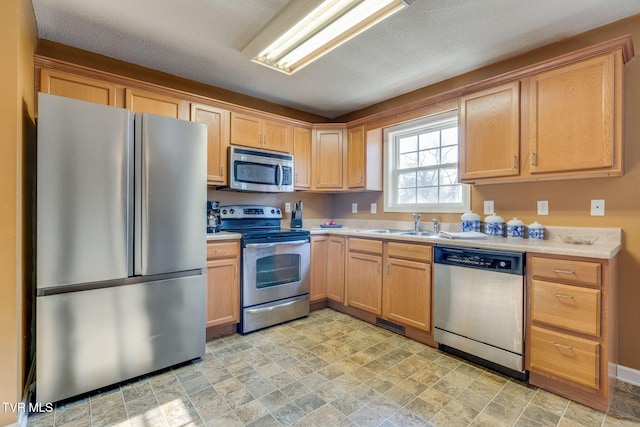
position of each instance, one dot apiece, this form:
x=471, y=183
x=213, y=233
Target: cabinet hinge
x=534, y=159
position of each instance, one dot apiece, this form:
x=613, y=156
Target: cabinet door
x=364, y=282
x=328, y=159
x=217, y=121
x=302, y=157
x=77, y=87
x=335, y=268
x=573, y=117
x=223, y=292
x=276, y=136
x=356, y=157
x=246, y=130
x=140, y=101
x=489, y=129
x=407, y=293
x=318, y=268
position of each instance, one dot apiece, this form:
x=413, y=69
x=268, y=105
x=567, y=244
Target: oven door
x=275, y=270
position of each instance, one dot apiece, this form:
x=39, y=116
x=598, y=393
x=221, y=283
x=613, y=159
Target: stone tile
x=384, y=406
x=228, y=419
x=72, y=411
x=550, y=402
x=141, y=405
x=250, y=411
x=446, y=419
x=209, y=404
x=288, y=414
x=461, y=409
x=404, y=418
x=436, y=398
x=473, y=399
x=347, y=404
x=309, y=402
x=583, y=415
x=505, y=413
x=327, y=415
x=264, y=421
x=366, y=417
x=274, y=400
x=541, y=415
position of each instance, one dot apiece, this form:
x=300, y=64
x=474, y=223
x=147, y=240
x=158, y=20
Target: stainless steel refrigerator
x=120, y=247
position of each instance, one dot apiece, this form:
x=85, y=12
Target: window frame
x=390, y=188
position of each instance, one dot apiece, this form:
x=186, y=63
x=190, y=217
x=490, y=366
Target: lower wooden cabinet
x=223, y=282
x=364, y=275
x=336, y=259
x=571, y=338
x=407, y=288
x=318, y=286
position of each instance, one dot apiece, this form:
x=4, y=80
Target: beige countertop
x=222, y=235
x=606, y=247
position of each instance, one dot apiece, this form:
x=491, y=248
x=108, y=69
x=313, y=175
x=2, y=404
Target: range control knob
x=224, y=211
x=278, y=211
x=232, y=211
x=503, y=264
x=273, y=211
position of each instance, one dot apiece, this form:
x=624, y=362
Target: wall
x=18, y=35
x=569, y=200
x=316, y=205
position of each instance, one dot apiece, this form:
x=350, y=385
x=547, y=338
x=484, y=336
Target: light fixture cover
x=304, y=30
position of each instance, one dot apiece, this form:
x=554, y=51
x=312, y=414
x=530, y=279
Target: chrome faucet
x=436, y=226
x=416, y=221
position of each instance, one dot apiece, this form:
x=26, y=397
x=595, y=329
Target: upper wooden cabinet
x=78, y=87
x=562, y=121
x=302, y=157
x=574, y=117
x=254, y=131
x=217, y=121
x=364, y=158
x=328, y=158
x=489, y=133
x=140, y=101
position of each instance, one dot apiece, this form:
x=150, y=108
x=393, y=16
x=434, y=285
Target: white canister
x=515, y=229
x=536, y=231
x=494, y=225
x=470, y=221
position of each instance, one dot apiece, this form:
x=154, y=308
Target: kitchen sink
x=385, y=231
x=419, y=233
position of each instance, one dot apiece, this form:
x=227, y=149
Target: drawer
x=574, y=359
x=566, y=306
x=580, y=272
x=225, y=249
x=365, y=245
x=410, y=251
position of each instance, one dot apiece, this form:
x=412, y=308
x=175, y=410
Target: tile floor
x=331, y=370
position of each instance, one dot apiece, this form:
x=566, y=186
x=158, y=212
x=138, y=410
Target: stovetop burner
x=257, y=222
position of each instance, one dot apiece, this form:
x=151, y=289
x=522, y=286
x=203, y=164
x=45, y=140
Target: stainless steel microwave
x=251, y=169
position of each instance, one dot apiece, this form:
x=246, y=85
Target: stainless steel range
x=275, y=266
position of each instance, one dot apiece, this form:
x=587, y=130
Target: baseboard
x=629, y=375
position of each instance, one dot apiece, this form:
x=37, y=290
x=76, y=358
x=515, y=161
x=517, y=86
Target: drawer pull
x=220, y=251
x=563, y=296
x=563, y=271
x=566, y=347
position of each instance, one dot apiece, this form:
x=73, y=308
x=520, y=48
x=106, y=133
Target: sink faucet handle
x=436, y=225
x=416, y=216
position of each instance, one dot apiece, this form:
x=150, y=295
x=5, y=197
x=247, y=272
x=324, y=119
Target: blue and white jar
x=515, y=229
x=470, y=221
x=536, y=231
x=494, y=225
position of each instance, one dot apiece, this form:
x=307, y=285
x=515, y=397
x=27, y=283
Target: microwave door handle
x=280, y=177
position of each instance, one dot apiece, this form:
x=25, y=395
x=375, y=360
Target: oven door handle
x=269, y=245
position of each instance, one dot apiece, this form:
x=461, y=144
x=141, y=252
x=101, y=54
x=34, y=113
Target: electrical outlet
x=543, y=207
x=374, y=208
x=597, y=208
x=354, y=208
x=287, y=207
x=488, y=207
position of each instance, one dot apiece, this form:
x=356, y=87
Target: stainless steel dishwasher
x=479, y=306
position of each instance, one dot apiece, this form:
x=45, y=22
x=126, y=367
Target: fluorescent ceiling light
x=307, y=29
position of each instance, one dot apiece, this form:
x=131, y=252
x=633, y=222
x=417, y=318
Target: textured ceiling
x=428, y=42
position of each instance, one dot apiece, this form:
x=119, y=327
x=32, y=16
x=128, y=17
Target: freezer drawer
x=91, y=339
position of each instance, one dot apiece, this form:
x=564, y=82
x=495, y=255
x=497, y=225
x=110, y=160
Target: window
x=421, y=166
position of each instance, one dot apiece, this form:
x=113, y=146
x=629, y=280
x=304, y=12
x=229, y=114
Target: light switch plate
x=543, y=207
x=597, y=208
x=488, y=207
x=287, y=207
x=374, y=208
x=354, y=208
